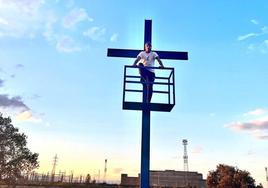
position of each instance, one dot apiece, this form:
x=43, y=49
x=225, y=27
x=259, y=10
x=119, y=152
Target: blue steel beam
x=145, y=148
x=130, y=53
x=148, y=31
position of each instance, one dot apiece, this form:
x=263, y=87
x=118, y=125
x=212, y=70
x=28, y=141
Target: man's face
x=147, y=48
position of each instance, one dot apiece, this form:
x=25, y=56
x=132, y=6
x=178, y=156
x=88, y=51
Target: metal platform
x=167, y=81
x=151, y=106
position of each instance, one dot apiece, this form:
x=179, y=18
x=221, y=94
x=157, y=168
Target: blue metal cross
x=147, y=38
x=145, y=142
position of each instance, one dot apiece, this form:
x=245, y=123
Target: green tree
x=230, y=177
x=15, y=158
x=88, y=178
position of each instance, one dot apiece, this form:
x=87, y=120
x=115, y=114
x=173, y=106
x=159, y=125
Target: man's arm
x=136, y=60
x=160, y=62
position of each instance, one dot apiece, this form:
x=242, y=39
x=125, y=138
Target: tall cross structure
x=147, y=108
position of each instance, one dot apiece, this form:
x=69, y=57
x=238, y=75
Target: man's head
x=147, y=47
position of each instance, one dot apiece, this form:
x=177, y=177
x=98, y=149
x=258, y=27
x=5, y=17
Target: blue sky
x=62, y=91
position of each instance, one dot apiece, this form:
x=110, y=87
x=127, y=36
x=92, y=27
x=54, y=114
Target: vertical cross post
x=145, y=149
x=145, y=135
x=148, y=31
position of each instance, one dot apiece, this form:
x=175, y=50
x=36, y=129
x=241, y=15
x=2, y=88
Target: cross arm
x=122, y=52
x=133, y=53
x=172, y=55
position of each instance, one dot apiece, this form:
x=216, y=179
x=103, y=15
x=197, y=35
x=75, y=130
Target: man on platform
x=145, y=60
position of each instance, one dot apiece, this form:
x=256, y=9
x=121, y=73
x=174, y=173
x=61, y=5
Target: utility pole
x=266, y=175
x=55, y=160
x=185, y=161
x=99, y=176
x=105, y=171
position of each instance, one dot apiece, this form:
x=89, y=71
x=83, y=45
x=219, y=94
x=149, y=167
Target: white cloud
x=17, y=109
x=266, y=43
x=262, y=47
x=67, y=44
x=246, y=36
x=75, y=16
x=114, y=37
x=262, y=137
x=264, y=29
x=27, y=116
x=29, y=7
x=95, y=33
x=20, y=17
x=63, y=43
x=249, y=125
x=3, y=21
x=256, y=112
x=258, y=128
x=27, y=19
x=254, y=21
x=49, y=32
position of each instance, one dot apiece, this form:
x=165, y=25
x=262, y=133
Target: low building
x=168, y=178
x=129, y=181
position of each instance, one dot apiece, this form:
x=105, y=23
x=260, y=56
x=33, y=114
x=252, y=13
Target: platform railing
x=167, y=79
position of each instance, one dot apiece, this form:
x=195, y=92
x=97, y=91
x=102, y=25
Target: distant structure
x=55, y=160
x=99, y=176
x=266, y=175
x=71, y=177
x=185, y=156
x=61, y=176
x=185, y=162
x=167, y=178
x=105, y=171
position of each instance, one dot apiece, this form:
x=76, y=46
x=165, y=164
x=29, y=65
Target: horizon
x=61, y=90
